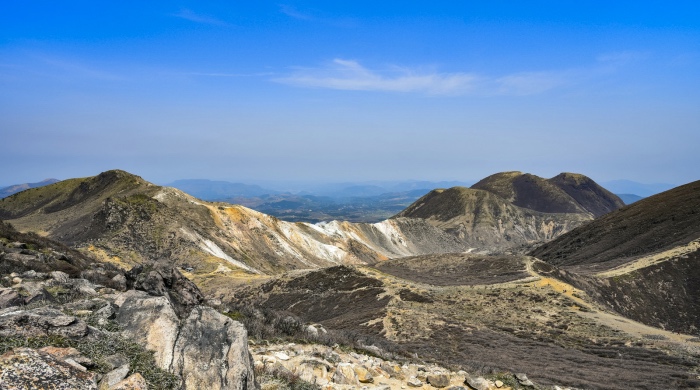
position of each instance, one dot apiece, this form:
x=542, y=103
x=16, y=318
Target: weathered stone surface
x=59, y=276
x=150, y=321
x=393, y=369
x=69, y=355
x=282, y=356
x=414, y=382
x=438, y=379
x=162, y=279
x=345, y=374
x=114, y=361
x=9, y=297
x=133, y=382
x=41, y=322
x=26, y=368
x=120, y=282
x=498, y=383
x=363, y=375
x=34, y=292
x=113, y=377
x=211, y=352
x=523, y=380
x=477, y=383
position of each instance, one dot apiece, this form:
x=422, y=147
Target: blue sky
x=303, y=90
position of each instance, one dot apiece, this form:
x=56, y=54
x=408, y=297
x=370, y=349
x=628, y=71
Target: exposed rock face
x=41, y=322
x=211, y=352
x=26, y=368
x=150, y=320
x=485, y=221
x=208, y=350
x=162, y=279
x=133, y=382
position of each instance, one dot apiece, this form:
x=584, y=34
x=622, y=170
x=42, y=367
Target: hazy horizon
x=361, y=91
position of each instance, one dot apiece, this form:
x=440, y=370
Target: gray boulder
x=477, y=383
x=208, y=350
x=26, y=368
x=41, y=322
x=150, y=321
x=438, y=380
x=211, y=352
x=9, y=297
x=162, y=279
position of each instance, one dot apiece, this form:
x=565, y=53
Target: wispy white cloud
x=318, y=17
x=350, y=75
x=342, y=74
x=199, y=18
x=294, y=13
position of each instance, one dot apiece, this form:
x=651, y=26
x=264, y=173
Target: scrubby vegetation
x=97, y=349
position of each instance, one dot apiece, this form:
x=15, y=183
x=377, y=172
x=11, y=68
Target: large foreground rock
x=207, y=350
x=150, y=321
x=211, y=352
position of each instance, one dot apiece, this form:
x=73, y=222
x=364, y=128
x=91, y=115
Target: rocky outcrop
x=151, y=321
x=162, y=279
x=207, y=350
x=41, y=322
x=26, y=368
x=211, y=352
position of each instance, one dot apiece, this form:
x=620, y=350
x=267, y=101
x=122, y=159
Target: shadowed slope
x=653, y=224
x=587, y=193
x=485, y=220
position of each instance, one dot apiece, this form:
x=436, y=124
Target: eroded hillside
x=129, y=221
x=483, y=317
x=641, y=260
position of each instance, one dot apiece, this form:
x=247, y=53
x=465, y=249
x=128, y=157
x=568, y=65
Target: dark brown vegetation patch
x=594, y=366
x=457, y=269
x=653, y=224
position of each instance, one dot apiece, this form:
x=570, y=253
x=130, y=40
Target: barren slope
x=127, y=220
x=485, y=317
x=641, y=260
x=486, y=221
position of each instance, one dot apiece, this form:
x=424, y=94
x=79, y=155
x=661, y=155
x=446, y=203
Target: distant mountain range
x=13, y=189
x=127, y=219
x=636, y=188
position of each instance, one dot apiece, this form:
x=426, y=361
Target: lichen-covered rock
x=211, y=352
x=113, y=377
x=33, y=292
x=414, y=382
x=162, y=279
x=208, y=350
x=9, y=297
x=150, y=321
x=26, y=368
x=345, y=374
x=41, y=322
x=477, y=383
x=363, y=375
x=523, y=380
x=438, y=379
x=133, y=382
